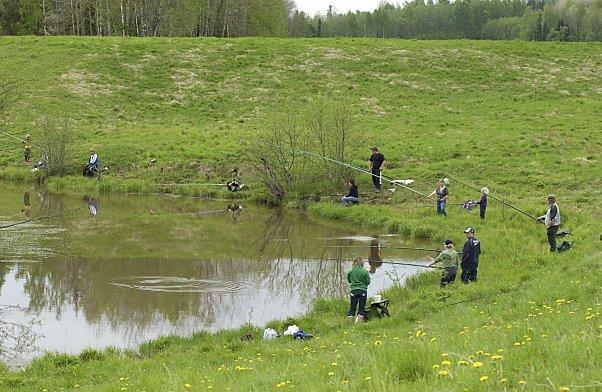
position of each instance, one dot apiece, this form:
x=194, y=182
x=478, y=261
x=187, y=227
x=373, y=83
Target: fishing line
x=191, y=184
x=188, y=213
x=493, y=197
x=384, y=247
x=394, y=183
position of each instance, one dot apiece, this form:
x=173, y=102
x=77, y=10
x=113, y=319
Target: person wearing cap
x=358, y=279
x=442, y=194
x=483, y=202
x=470, y=257
x=552, y=221
x=449, y=260
x=91, y=169
x=377, y=164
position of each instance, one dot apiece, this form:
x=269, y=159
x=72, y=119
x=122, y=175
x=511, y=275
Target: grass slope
x=521, y=118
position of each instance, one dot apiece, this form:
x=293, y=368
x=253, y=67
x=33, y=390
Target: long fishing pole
x=191, y=184
x=382, y=262
x=384, y=247
x=394, y=183
x=494, y=198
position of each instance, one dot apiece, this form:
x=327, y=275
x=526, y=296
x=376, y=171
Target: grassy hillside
x=520, y=118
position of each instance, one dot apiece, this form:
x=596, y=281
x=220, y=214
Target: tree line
x=539, y=20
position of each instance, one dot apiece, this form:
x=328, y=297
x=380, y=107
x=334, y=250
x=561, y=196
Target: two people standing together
x=450, y=259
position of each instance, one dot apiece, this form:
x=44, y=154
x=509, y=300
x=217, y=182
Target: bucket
x=377, y=297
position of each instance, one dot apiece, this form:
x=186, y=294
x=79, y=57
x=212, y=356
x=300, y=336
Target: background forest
x=537, y=20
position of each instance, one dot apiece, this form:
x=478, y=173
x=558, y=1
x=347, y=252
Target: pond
x=121, y=270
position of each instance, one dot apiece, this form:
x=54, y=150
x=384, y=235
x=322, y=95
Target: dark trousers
x=441, y=207
x=552, y=232
x=449, y=276
x=357, y=297
x=376, y=178
x=482, y=211
x=469, y=271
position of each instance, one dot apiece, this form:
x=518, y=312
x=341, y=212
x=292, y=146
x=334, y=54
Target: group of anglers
x=448, y=259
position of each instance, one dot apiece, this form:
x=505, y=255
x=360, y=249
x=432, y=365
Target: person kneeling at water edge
x=91, y=169
x=358, y=279
x=449, y=259
x=470, y=257
x=352, y=196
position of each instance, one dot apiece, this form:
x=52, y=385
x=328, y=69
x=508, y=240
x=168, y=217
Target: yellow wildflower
x=483, y=378
x=445, y=363
x=443, y=373
x=477, y=365
x=564, y=389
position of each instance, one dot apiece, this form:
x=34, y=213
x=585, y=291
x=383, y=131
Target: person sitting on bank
x=91, y=169
x=449, y=260
x=352, y=196
x=442, y=195
x=552, y=221
x=358, y=279
x=483, y=202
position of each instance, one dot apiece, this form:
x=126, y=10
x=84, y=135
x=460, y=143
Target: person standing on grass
x=483, y=202
x=470, y=257
x=352, y=196
x=442, y=194
x=27, y=148
x=552, y=221
x=358, y=279
x=449, y=260
x=377, y=164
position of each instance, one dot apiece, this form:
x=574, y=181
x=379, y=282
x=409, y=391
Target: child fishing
x=27, y=148
x=449, y=260
x=483, y=202
x=358, y=279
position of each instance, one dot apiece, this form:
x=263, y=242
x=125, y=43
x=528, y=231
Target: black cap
x=448, y=242
x=469, y=230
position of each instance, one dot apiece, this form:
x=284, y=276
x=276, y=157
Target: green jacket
x=448, y=258
x=358, y=279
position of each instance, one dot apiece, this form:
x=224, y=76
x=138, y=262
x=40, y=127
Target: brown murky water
x=118, y=271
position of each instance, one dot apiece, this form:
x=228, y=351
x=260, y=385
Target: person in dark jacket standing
x=352, y=196
x=552, y=221
x=358, y=279
x=483, y=202
x=470, y=257
x=377, y=164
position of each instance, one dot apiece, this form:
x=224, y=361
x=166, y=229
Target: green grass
x=521, y=118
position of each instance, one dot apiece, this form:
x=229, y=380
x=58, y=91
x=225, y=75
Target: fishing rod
x=384, y=247
x=382, y=262
x=394, y=183
x=189, y=213
x=191, y=184
x=494, y=198
x=39, y=218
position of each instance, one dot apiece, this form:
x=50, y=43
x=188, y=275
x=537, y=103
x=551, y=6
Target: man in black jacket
x=470, y=257
x=377, y=163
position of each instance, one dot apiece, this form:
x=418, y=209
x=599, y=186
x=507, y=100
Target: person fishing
x=442, y=194
x=552, y=221
x=375, y=258
x=358, y=279
x=234, y=185
x=352, y=196
x=91, y=169
x=470, y=257
x=27, y=148
x=483, y=202
x=377, y=164
x=449, y=260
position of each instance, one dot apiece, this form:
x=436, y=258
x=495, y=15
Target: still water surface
x=121, y=270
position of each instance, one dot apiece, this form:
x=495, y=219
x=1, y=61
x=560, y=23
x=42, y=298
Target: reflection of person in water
x=26, y=210
x=375, y=258
x=92, y=206
x=235, y=210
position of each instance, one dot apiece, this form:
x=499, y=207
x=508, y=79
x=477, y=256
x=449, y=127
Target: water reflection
x=129, y=275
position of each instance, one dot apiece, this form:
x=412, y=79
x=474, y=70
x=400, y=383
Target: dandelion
x=477, y=365
x=496, y=357
x=187, y=385
x=564, y=389
x=345, y=382
x=445, y=363
x=522, y=382
x=483, y=378
x=368, y=378
x=435, y=366
x=433, y=339
x=462, y=363
x=443, y=373
x=334, y=364
x=378, y=343
x=331, y=373
x=280, y=384
x=503, y=381
x=445, y=355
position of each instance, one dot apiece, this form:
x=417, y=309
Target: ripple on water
x=174, y=284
